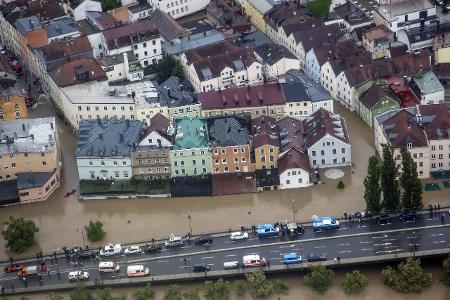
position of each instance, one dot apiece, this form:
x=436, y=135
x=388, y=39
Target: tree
x=173, y=292
x=280, y=287
x=319, y=278
x=24, y=298
x=372, y=193
x=340, y=185
x=410, y=277
x=446, y=266
x=105, y=294
x=109, y=4
x=261, y=287
x=165, y=68
x=354, y=282
x=192, y=294
x=412, y=187
x=19, y=233
x=81, y=293
x=94, y=231
x=240, y=287
x=55, y=297
x=389, y=182
x=144, y=293
x=217, y=290
x=178, y=70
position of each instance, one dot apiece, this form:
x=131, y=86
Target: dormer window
x=408, y=145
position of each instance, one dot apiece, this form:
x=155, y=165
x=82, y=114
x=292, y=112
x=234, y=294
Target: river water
x=60, y=219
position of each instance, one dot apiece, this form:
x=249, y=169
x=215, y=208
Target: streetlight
x=82, y=234
x=190, y=224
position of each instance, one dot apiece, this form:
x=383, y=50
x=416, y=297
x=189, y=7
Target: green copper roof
x=190, y=133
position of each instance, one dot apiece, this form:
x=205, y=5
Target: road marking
x=345, y=251
x=210, y=264
x=366, y=242
x=163, y=261
x=230, y=255
x=437, y=234
x=389, y=240
x=207, y=257
x=367, y=249
x=290, y=246
x=184, y=267
x=384, y=244
x=344, y=228
x=320, y=247
x=380, y=237
x=438, y=242
x=345, y=244
x=274, y=251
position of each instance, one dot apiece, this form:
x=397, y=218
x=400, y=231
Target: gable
x=154, y=136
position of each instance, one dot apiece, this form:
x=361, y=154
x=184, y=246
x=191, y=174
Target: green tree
x=192, y=294
x=354, y=282
x=105, y=294
x=410, y=277
x=389, y=182
x=24, y=298
x=280, y=287
x=165, y=68
x=340, y=185
x=178, y=70
x=446, y=266
x=412, y=187
x=261, y=287
x=217, y=290
x=94, y=231
x=81, y=293
x=144, y=293
x=319, y=278
x=55, y=297
x=372, y=193
x=173, y=292
x=240, y=287
x=109, y=4
x=19, y=233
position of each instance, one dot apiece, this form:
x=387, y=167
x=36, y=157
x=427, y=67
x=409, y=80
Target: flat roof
x=190, y=133
x=94, y=92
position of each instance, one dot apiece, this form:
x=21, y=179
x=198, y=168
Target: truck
x=267, y=230
x=324, y=223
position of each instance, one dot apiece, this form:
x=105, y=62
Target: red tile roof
x=37, y=38
x=67, y=48
x=66, y=75
x=265, y=138
x=125, y=34
x=291, y=133
x=293, y=159
x=321, y=123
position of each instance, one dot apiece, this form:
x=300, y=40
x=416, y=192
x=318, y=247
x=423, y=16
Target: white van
x=253, y=260
x=231, y=265
x=107, y=267
x=137, y=271
x=111, y=249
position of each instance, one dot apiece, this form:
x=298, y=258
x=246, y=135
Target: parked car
x=408, y=216
x=200, y=268
x=152, y=248
x=291, y=258
x=87, y=254
x=78, y=275
x=204, y=240
x=238, y=235
x=174, y=241
x=316, y=257
x=137, y=271
x=383, y=219
x=253, y=260
x=132, y=250
x=111, y=249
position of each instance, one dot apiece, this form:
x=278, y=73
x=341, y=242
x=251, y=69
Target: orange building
x=12, y=107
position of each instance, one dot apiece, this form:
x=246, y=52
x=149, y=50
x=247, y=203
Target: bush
x=19, y=233
x=340, y=185
x=319, y=278
x=217, y=290
x=446, y=266
x=354, y=282
x=280, y=287
x=95, y=231
x=192, y=294
x=319, y=8
x=81, y=293
x=173, y=292
x=261, y=287
x=144, y=293
x=105, y=294
x=410, y=277
x=240, y=287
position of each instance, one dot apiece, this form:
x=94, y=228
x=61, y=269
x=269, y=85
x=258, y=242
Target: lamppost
x=294, y=211
x=82, y=235
x=190, y=224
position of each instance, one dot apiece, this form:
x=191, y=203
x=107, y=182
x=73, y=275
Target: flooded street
x=128, y=220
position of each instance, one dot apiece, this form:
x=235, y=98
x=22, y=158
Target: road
x=352, y=240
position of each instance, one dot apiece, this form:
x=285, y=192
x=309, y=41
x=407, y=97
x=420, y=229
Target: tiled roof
x=427, y=82
x=374, y=94
x=32, y=179
x=61, y=27
x=190, y=133
x=167, y=26
x=78, y=71
x=272, y=53
x=318, y=37
x=283, y=13
x=160, y=124
x=264, y=123
x=378, y=32
x=37, y=38
x=296, y=86
x=323, y=122
x=227, y=131
x=293, y=159
x=125, y=35
x=250, y=96
x=265, y=138
x=301, y=25
x=291, y=133
x=107, y=138
x=66, y=48
x=438, y=115
x=410, y=64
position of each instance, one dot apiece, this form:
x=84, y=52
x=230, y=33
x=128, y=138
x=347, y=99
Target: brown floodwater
x=128, y=220
x=375, y=290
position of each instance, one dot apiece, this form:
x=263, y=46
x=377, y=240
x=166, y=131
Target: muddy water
x=375, y=290
x=128, y=220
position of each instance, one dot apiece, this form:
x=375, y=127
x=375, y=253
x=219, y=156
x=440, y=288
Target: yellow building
x=256, y=9
x=12, y=107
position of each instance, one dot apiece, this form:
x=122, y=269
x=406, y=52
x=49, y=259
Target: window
x=235, y=150
x=13, y=165
x=224, y=151
x=92, y=173
x=343, y=150
x=194, y=162
x=116, y=174
x=313, y=153
x=44, y=163
x=300, y=180
x=334, y=151
x=323, y=161
x=225, y=169
x=288, y=181
x=343, y=159
x=314, y=162
x=144, y=45
x=91, y=163
x=237, y=169
x=124, y=163
x=236, y=160
x=102, y=163
x=125, y=174
x=224, y=161
x=322, y=152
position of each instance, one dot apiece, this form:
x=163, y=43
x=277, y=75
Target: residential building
x=397, y=15
x=30, y=156
x=104, y=148
x=78, y=8
x=61, y=28
x=276, y=60
x=373, y=99
x=12, y=96
x=256, y=9
x=294, y=170
x=423, y=130
x=150, y=158
x=221, y=65
x=139, y=12
x=257, y=100
x=353, y=16
x=441, y=49
x=123, y=66
x=191, y=154
x=226, y=14
x=377, y=41
x=179, y=8
x=141, y=37
x=230, y=139
x=427, y=87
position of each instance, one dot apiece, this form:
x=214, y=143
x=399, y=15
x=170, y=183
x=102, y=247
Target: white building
x=179, y=8
x=276, y=60
x=293, y=169
x=104, y=148
x=79, y=9
x=122, y=67
x=427, y=88
x=139, y=12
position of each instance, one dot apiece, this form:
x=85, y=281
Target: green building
x=373, y=99
x=191, y=154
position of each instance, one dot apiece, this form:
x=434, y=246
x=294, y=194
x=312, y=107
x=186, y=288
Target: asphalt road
x=350, y=241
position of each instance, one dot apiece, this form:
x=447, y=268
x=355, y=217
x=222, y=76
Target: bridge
x=354, y=243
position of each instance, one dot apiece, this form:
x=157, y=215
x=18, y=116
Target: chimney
x=23, y=127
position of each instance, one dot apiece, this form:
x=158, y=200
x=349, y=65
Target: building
x=139, y=12
x=377, y=41
x=123, y=66
x=424, y=130
x=427, y=87
x=12, y=96
x=30, y=157
x=373, y=99
x=226, y=14
x=230, y=139
x=104, y=148
x=219, y=66
x=256, y=9
x=141, y=37
x=78, y=8
x=257, y=100
x=181, y=8
x=150, y=159
x=276, y=60
x=294, y=170
x=191, y=154
x=353, y=16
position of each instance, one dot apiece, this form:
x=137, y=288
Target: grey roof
x=272, y=53
x=61, y=26
x=229, y=131
x=8, y=192
x=27, y=135
x=296, y=87
x=391, y=11
x=139, y=8
x=427, y=82
x=116, y=59
x=175, y=94
x=177, y=46
x=198, y=26
x=32, y=179
x=262, y=6
x=87, y=28
x=253, y=40
x=25, y=25
x=107, y=138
